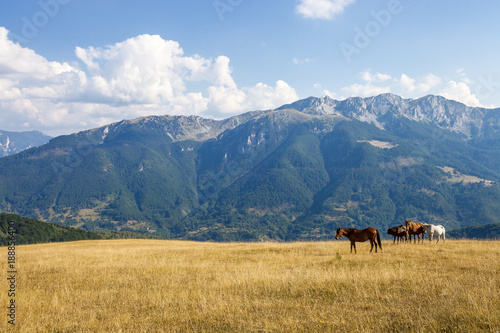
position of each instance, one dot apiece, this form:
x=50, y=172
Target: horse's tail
x=378, y=240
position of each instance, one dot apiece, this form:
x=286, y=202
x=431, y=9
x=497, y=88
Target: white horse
x=434, y=230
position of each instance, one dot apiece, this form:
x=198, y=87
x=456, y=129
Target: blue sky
x=70, y=65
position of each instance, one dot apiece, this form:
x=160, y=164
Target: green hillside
x=281, y=174
x=31, y=231
x=489, y=231
x=313, y=183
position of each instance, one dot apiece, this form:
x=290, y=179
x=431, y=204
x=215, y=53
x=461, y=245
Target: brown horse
x=415, y=229
x=399, y=232
x=355, y=235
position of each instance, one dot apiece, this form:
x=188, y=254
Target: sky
x=72, y=65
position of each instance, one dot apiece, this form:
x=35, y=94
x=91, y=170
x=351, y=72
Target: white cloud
x=33, y=89
x=329, y=93
x=227, y=99
x=407, y=83
x=367, y=76
x=259, y=97
x=142, y=70
x=267, y=97
x=408, y=87
x=413, y=88
x=431, y=81
x=140, y=76
x=462, y=76
x=365, y=90
x=370, y=86
x=324, y=92
x=460, y=91
x=322, y=9
x=18, y=63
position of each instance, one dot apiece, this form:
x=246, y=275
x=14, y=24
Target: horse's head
x=340, y=232
x=407, y=222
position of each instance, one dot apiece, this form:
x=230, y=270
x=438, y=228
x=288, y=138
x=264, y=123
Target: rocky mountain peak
x=381, y=109
x=15, y=142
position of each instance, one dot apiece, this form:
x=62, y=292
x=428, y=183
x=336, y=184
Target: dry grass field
x=175, y=286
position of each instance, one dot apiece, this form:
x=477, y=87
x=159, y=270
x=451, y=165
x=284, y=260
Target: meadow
x=178, y=286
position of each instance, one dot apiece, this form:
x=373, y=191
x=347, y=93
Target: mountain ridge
x=15, y=142
x=447, y=114
x=295, y=172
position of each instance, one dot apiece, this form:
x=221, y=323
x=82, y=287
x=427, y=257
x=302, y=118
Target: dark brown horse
x=415, y=229
x=399, y=232
x=355, y=235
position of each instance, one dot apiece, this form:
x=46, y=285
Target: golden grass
x=176, y=286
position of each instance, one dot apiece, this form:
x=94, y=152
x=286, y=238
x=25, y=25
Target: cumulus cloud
x=322, y=9
x=266, y=97
x=33, y=89
x=18, y=63
x=411, y=87
x=460, y=91
x=140, y=76
x=146, y=70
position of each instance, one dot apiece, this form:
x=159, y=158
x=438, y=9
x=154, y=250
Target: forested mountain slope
x=297, y=172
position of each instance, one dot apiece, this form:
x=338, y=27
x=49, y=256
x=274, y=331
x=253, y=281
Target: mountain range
x=15, y=142
x=293, y=173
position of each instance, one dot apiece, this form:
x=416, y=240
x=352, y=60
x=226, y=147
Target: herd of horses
x=400, y=232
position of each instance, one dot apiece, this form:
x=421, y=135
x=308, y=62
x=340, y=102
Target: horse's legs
x=443, y=236
x=353, y=244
